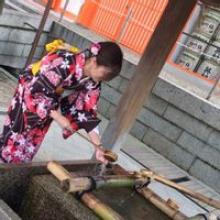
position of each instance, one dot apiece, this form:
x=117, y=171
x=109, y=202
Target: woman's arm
x=61, y=120
x=94, y=136
x=99, y=150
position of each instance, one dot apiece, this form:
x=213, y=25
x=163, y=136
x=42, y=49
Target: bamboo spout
x=79, y=184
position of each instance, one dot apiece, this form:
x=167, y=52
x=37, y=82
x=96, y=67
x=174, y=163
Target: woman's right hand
x=99, y=154
x=61, y=120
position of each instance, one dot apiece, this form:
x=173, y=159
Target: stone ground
x=7, y=87
x=133, y=156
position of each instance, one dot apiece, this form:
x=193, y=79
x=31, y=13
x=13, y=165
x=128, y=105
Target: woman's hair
x=110, y=55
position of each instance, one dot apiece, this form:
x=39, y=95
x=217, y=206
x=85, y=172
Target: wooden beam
x=39, y=32
x=164, y=37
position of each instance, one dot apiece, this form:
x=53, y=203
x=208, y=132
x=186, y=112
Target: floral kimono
x=37, y=94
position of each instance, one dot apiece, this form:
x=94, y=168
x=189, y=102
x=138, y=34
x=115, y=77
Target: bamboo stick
x=108, y=154
x=58, y=171
x=78, y=184
x=172, y=204
x=118, y=182
x=99, y=208
x=196, y=195
x=161, y=204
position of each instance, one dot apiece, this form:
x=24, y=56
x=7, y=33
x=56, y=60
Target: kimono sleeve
x=82, y=114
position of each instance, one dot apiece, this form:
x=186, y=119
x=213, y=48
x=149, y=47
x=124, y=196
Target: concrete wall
x=177, y=124
x=185, y=129
x=17, y=34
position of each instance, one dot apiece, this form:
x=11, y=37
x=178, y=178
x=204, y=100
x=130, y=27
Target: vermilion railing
x=130, y=22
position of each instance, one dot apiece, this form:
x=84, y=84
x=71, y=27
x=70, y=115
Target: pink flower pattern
x=52, y=77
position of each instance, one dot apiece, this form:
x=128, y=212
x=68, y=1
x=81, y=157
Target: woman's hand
x=61, y=120
x=99, y=153
x=99, y=150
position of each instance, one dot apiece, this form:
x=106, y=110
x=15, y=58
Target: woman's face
x=96, y=72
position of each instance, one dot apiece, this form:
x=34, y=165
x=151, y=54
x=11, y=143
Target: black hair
x=110, y=55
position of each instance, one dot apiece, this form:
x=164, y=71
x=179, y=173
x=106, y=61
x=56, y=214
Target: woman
x=62, y=79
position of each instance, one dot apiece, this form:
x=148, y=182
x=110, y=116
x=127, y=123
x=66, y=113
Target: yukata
x=28, y=117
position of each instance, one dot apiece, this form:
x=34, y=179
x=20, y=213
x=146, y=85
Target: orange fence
x=130, y=22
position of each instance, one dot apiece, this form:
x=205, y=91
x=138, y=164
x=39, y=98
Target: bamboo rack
x=196, y=195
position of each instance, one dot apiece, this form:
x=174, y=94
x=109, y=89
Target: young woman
x=64, y=87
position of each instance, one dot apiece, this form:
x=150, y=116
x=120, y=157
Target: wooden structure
x=121, y=179
x=101, y=209
x=33, y=194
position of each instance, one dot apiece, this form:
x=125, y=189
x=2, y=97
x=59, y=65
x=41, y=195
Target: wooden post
x=171, y=23
x=39, y=31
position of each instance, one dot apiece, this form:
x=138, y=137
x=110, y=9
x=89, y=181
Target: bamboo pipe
x=161, y=204
x=172, y=204
x=207, y=200
x=99, y=208
x=119, y=182
x=84, y=183
x=58, y=171
x=78, y=184
x=157, y=201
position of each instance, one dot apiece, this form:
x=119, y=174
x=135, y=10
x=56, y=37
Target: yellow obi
x=51, y=47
